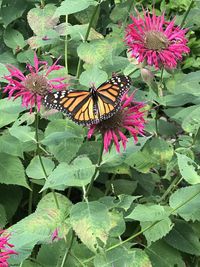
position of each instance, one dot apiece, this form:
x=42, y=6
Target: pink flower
x=129, y=118
x=155, y=41
x=35, y=85
x=5, y=249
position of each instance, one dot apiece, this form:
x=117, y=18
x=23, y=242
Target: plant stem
x=66, y=64
x=86, y=37
x=67, y=250
x=30, y=200
x=39, y=156
x=171, y=186
x=109, y=186
x=186, y=13
x=95, y=172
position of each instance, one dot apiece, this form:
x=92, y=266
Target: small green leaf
x=14, y=39
x=11, y=145
x=188, y=169
x=9, y=110
x=156, y=231
x=95, y=52
x=35, y=170
x=23, y=133
x=191, y=122
x=79, y=173
x=185, y=201
x=41, y=19
x=91, y=221
x=93, y=77
x=117, y=257
x=72, y=6
x=12, y=171
x=3, y=71
x=161, y=254
x=183, y=238
x=145, y=213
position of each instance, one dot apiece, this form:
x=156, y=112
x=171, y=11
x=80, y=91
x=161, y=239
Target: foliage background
x=143, y=209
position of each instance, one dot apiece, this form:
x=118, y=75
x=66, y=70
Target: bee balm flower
x=155, y=41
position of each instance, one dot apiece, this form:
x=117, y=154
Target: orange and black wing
x=110, y=94
x=77, y=105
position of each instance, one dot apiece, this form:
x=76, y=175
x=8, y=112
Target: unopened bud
x=147, y=76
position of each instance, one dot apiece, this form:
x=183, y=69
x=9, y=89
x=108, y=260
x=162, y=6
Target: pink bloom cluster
x=33, y=86
x=155, y=41
x=129, y=118
x=5, y=249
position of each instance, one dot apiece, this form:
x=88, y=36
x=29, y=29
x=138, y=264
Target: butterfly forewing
x=90, y=107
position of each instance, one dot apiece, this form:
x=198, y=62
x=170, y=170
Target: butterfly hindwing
x=90, y=107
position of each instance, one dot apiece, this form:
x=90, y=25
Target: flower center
x=112, y=123
x=37, y=84
x=155, y=40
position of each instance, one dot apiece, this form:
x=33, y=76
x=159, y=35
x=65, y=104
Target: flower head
x=129, y=118
x=155, y=41
x=5, y=249
x=35, y=85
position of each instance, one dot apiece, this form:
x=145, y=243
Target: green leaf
x=156, y=231
x=185, y=83
x=11, y=145
x=9, y=110
x=186, y=201
x=122, y=186
x=163, y=255
x=113, y=159
x=188, y=169
x=41, y=19
x=156, y=152
x=183, y=238
x=63, y=138
x=72, y=6
x=91, y=221
x=3, y=71
x=23, y=133
x=12, y=171
x=145, y=213
x=117, y=257
x=118, y=225
x=93, y=77
x=141, y=258
x=35, y=170
x=95, y=52
x=10, y=11
x=11, y=199
x=3, y=219
x=38, y=227
x=79, y=173
x=14, y=39
x=191, y=122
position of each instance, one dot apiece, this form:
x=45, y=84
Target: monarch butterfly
x=90, y=107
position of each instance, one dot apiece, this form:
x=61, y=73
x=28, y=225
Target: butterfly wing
x=90, y=107
x=77, y=105
x=110, y=94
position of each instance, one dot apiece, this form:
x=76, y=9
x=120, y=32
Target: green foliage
x=139, y=207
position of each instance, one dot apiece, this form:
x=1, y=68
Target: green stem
x=186, y=13
x=67, y=250
x=66, y=42
x=86, y=37
x=160, y=85
x=39, y=156
x=30, y=200
x=95, y=172
x=172, y=185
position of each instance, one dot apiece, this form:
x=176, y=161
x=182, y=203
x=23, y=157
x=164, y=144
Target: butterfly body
x=90, y=107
